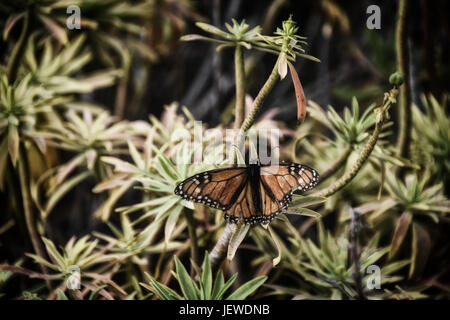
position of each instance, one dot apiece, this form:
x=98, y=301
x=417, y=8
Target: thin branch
x=404, y=115
x=240, y=86
x=262, y=94
x=271, y=15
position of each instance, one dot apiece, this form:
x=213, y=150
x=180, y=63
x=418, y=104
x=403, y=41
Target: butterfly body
x=254, y=193
x=254, y=177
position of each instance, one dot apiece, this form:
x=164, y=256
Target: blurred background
x=355, y=61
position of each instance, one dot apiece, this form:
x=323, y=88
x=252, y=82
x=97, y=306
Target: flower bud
x=396, y=79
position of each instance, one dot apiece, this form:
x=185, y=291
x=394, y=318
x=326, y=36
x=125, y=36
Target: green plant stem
x=404, y=114
x=193, y=238
x=262, y=94
x=239, y=74
x=28, y=206
x=220, y=249
x=336, y=165
x=17, y=53
x=368, y=148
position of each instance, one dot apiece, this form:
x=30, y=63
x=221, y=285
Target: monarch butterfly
x=256, y=193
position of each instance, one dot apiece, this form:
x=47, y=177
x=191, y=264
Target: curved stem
x=262, y=94
x=16, y=55
x=404, y=115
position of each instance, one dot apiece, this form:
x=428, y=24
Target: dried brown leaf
x=299, y=95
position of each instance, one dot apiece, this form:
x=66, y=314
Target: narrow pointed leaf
x=186, y=283
x=247, y=288
x=236, y=239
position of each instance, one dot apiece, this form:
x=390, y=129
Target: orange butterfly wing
x=243, y=207
x=216, y=188
x=278, y=184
